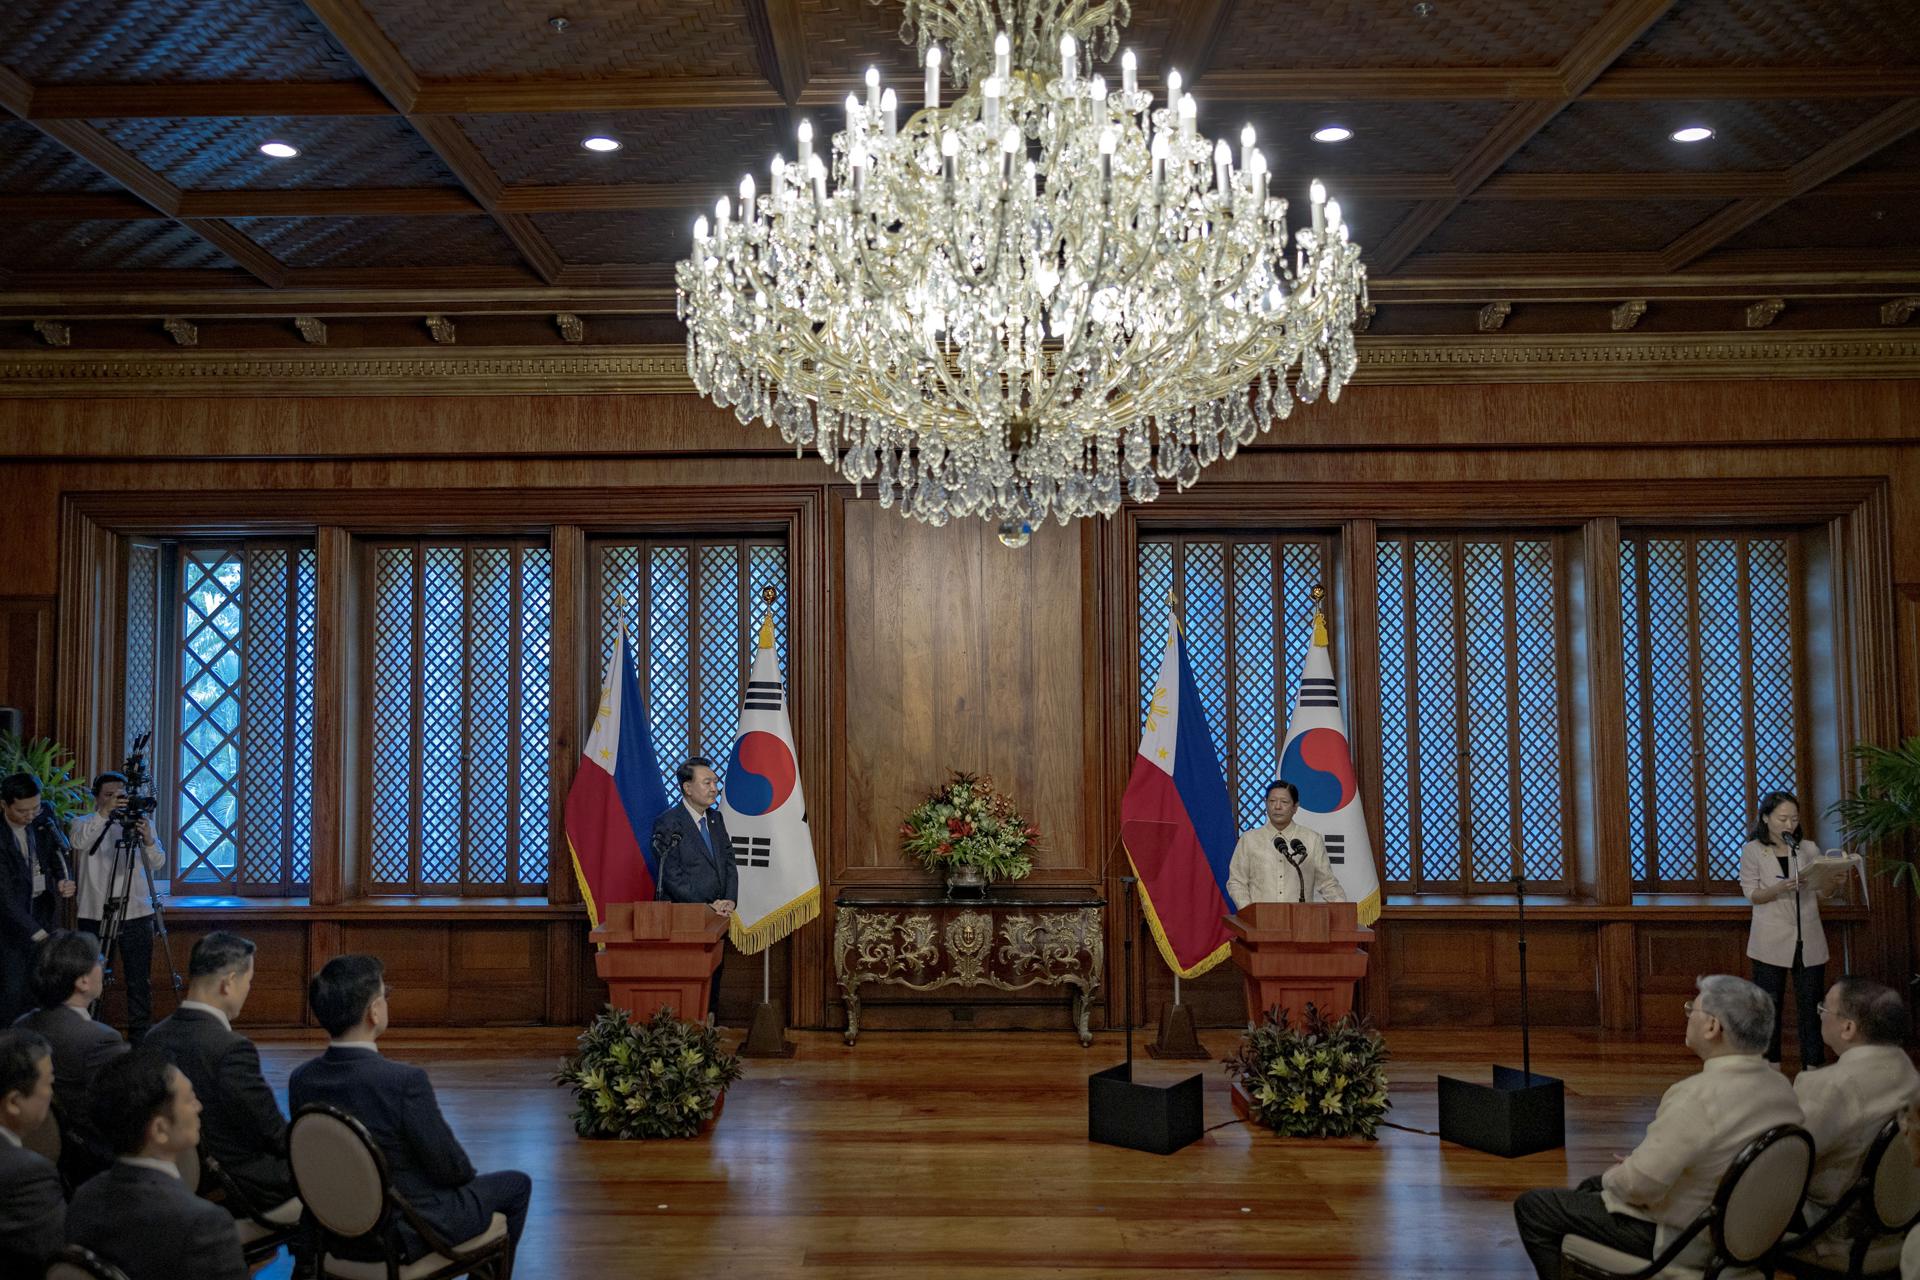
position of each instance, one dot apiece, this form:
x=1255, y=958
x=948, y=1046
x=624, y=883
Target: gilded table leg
x=1082, y=1008
x=851, y=993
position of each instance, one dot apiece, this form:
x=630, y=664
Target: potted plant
x=55, y=766
x=969, y=833
x=1320, y=1079
x=663, y=1078
x=1886, y=806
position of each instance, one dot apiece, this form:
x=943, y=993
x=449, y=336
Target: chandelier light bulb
x=1033, y=301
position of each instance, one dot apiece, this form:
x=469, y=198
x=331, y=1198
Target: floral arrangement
x=663, y=1078
x=1318, y=1080
x=967, y=823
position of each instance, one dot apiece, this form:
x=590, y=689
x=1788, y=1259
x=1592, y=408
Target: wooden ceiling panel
x=1388, y=137
x=1457, y=33
x=1819, y=221
x=845, y=37
x=32, y=162
x=336, y=152
x=1903, y=155
x=640, y=237
x=514, y=39
x=105, y=246
x=167, y=42
x=1567, y=226
x=1635, y=137
x=1796, y=33
x=441, y=241
x=657, y=146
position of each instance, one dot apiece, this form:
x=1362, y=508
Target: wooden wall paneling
x=1359, y=601
x=1907, y=617
x=337, y=874
x=89, y=618
x=1440, y=975
x=417, y=955
x=279, y=996
x=1562, y=974
x=813, y=688
x=1672, y=957
x=26, y=661
x=1608, y=876
x=496, y=974
x=1619, y=977
x=571, y=683
x=566, y=955
x=1113, y=727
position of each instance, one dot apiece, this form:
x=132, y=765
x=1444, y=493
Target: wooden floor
x=950, y=1155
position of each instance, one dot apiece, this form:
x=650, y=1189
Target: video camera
x=134, y=806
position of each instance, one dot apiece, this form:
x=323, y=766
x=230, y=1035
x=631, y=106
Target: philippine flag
x=616, y=795
x=766, y=813
x=1317, y=759
x=1177, y=822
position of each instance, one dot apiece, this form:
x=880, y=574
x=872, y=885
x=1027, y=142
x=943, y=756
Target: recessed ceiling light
x=1332, y=133
x=279, y=150
x=600, y=144
x=1692, y=133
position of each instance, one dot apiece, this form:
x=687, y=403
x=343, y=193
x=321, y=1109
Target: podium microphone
x=1295, y=853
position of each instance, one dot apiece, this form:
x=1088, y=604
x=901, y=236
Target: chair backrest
x=1759, y=1193
x=44, y=1138
x=1893, y=1194
x=77, y=1263
x=338, y=1172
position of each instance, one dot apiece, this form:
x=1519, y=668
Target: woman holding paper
x=1786, y=937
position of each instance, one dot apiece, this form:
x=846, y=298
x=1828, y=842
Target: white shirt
x=215, y=1010
x=1845, y=1104
x=26, y=851
x=1701, y=1125
x=1258, y=872
x=150, y=1162
x=95, y=872
x=11, y=1136
x=1771, y=937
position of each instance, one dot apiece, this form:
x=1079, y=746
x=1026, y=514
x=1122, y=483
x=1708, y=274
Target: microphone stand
x=1526, y=1026
x=1126, y=966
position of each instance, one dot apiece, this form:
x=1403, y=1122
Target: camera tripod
x=127, y=854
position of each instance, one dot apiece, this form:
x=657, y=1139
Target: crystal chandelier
x=1038, y=298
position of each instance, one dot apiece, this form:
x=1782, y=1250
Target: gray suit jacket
x=81, y=1047
x=33, y=1212
x=688, y=872
x=149, y=1225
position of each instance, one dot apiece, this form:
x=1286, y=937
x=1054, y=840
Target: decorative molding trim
x=442, y=330
x=312, y=329
x=661, y=370
x=1628, y=314
x=1899, y=311
x=184, y=332
x=56, y=333
x=570, y=326
x=1765, y=312
x=1494, y=316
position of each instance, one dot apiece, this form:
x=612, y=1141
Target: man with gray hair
x=1701, y=1125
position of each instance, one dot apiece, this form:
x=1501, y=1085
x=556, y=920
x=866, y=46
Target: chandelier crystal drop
x=1044, y=297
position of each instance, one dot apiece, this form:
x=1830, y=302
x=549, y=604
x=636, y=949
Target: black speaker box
x=1517, y=1115
x=1144, y=1117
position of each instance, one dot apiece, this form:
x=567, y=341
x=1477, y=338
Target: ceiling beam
x=1613, y=35
x=781, y=43
x=368, y=45
x=91, y=207
x=651, y=93
x=1645, y=84
x=186, y=101
x=1891, y=125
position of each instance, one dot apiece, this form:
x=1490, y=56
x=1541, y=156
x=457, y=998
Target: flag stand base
x=767, y=1037
x=1178, y=1041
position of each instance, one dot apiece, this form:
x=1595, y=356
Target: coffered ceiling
x=1512, y=152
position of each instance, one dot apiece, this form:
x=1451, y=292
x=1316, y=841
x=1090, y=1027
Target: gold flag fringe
x=776, y=924
x=1208, y=962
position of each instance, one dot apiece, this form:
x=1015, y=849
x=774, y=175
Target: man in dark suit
x=139, y=1215
x=67, y=976
x=695, y=852
x=33, y=1212
x=32, y=881
x=240, y=1123
x=396, y=1103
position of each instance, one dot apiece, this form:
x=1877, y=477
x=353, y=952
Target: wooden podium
x=1292, y=954
x=660, y=955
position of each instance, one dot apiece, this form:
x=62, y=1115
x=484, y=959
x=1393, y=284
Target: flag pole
x=767, y=1033
x=1177, y=1039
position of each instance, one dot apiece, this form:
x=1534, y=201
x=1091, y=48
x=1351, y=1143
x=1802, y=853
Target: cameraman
x=32, y=880
x=104, y=873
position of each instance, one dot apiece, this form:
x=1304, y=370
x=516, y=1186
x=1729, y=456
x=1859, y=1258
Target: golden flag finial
x=1319, y=593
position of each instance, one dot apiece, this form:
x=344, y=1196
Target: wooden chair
x=1868, y=1224
x=1750, y=1213
x=342, y=1179
x=77, y=1263
x=262, y=1229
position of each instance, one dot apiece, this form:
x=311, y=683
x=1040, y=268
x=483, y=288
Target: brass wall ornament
x=185, y=333
x=312, y=329
x=1494, y=316
x=53, y=333
x=1004, y=946
x=1899, y=311
x=442, y=330
x=1627, y=315
x=1765, y=312
x=571, y=329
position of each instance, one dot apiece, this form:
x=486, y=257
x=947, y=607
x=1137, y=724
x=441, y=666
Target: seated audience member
x=139, y=1215
x=1701, y=1125
x=396, y=1103
x=1846, y=1104
x=33, y=1212
x=66, y=978
x=241, y=1125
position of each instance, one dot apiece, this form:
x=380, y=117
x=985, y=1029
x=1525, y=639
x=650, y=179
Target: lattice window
x=692, y=609
x=458, y=635
x=143, y=668
x=1713, y=696
x=1473, y=711
x=1248, y=613
x=242, y=795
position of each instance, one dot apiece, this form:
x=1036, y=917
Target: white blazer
x=1259, y=874
x=1770, y=938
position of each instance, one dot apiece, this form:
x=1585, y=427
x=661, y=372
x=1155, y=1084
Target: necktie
x=706, y=837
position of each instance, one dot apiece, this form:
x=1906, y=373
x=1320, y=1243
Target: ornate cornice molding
x=661, y=370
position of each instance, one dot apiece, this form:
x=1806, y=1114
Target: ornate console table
x=1010, y=940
